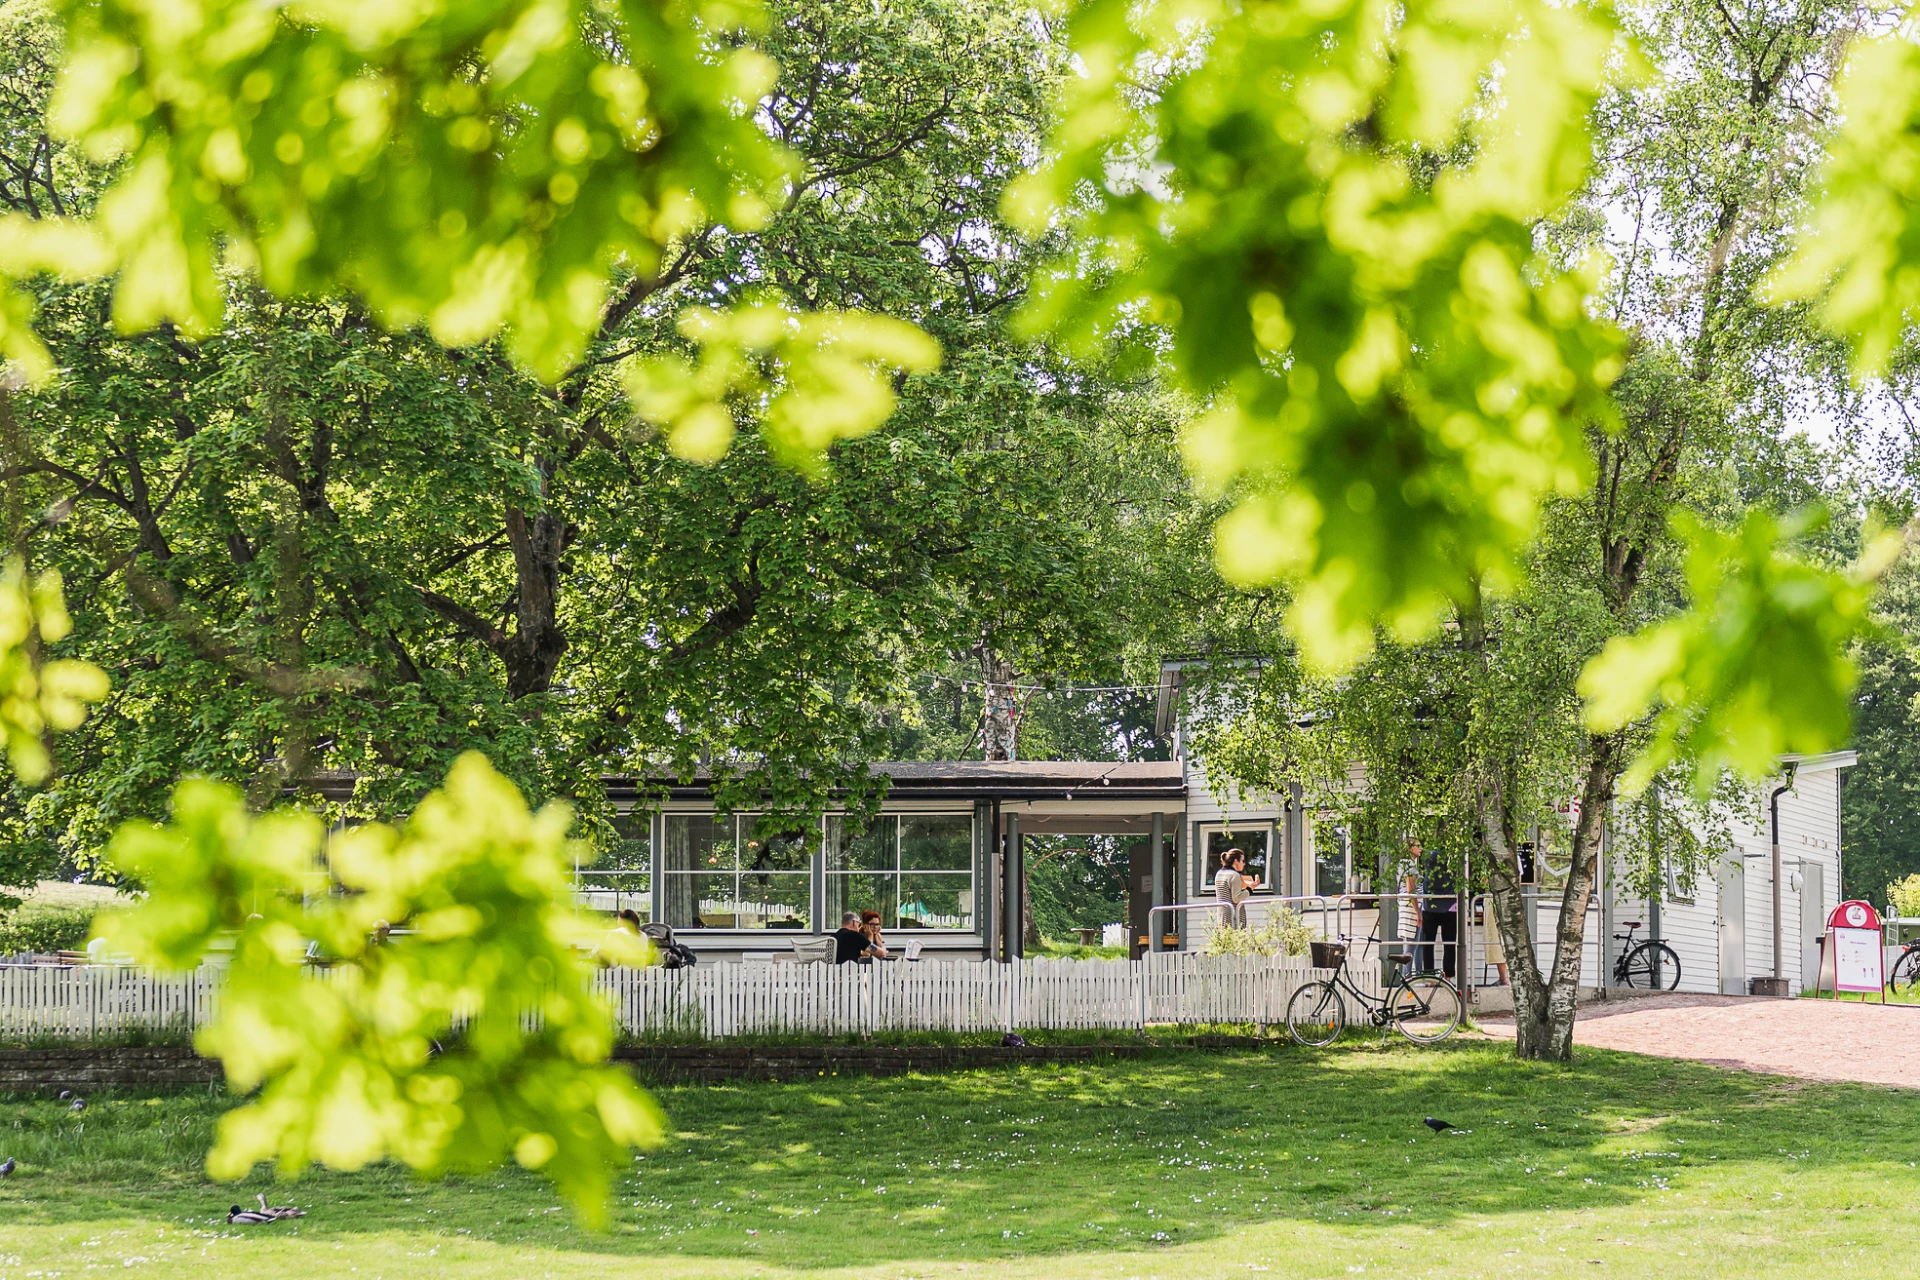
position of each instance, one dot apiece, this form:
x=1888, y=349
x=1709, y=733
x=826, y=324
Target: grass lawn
x=59, y=893
x=1189, y=1164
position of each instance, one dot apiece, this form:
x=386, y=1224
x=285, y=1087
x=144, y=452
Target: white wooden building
x=1722, y=925
x=944, y=864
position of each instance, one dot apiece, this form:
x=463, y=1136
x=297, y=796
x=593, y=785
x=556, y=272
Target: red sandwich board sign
x=1853, y=940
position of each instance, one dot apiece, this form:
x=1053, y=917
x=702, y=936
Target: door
x=1732, y=879
x=1813, y=921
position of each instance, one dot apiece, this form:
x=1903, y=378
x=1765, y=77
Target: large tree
x=1476, y=739
x=308, y=543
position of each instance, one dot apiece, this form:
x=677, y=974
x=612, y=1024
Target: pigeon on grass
x=7, y=1167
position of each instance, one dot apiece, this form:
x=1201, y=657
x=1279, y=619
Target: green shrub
x=1903, y=897
x=1284, y=934
x=45, y=929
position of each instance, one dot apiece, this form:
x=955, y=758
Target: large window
x=1332, y=874
x=723, y=873
x=622, y=879
x=1252, y=841
x=916, y=870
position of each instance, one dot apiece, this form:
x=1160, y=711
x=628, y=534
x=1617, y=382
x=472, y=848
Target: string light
x=1046, y=688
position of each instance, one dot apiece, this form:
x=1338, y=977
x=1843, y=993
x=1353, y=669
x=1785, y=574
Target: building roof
x=922, y=779
x=993, y=780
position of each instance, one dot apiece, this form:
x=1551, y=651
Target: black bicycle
x=1423, y=1007
x=1905, y=974
x=1651, y=964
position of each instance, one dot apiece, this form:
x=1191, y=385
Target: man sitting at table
x=850, y=945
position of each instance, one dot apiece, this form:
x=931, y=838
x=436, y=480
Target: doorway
x=1813, y=921
x=1732, y=879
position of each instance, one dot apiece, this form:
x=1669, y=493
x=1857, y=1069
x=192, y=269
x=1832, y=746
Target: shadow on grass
x=1170, y=1149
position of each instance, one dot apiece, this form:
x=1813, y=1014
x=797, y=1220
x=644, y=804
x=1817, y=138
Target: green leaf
x=477, y=167
x=1330, y=211
x=1755, y=669
x=812, y=377
x=455, y=1028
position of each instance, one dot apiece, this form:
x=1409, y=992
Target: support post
x=1181, y=852
x=656, y=863
x=1156, y=854
x=1196, y=856
x=1297, y=882
x=993, y=874
x=1277, y=830
x=817, y=890
x=1016, y=890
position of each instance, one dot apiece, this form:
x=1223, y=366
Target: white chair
x=811, y=951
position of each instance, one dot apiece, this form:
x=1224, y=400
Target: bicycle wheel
x=1425, y=1008
x=1316, y=1015
x=1906, y=971
x=1651, y=965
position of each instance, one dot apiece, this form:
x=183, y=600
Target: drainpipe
x=1773, y=807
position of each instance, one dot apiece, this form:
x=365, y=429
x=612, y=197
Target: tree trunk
x=1544, y=1004
x=532, y=654
x=1000, y=730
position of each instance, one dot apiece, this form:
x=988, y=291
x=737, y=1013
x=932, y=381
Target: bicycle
x=1646, y=965
x=1905, y=973
x=1423, y=1007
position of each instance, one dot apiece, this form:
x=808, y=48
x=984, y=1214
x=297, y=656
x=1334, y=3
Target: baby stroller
x=673, y=954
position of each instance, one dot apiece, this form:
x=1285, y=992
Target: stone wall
x=83, y=1068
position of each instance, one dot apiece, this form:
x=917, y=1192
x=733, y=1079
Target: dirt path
x=1812, y=1039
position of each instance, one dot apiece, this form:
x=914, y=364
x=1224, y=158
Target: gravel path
x=1812, y=1039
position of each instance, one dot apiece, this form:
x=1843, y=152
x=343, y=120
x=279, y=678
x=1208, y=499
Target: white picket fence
x=736, y=999
x=86, y=1000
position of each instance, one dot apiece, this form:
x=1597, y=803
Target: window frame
x=741, y=825
x=898, y=873
x=659, y=878
x=1263, y=828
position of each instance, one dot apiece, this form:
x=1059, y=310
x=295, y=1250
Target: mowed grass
x=1186, y=1165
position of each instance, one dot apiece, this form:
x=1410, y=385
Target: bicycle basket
x=1328, y=955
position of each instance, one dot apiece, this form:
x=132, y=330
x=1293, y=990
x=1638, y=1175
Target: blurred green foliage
x=453, y=1028
x=1329, y=211
x=1757, y=669
x=44, y=929
x=474, y=167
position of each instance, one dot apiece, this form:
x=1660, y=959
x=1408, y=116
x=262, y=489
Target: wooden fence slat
x=735, y=999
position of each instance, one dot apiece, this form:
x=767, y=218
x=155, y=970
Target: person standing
x=1437, y=910
x=1232, y=887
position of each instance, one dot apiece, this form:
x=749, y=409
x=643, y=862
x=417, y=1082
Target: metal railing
x=1156, y=937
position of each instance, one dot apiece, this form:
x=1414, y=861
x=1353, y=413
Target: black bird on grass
x=6, y=1167
x=1438, y=1126
x=248, y=1217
